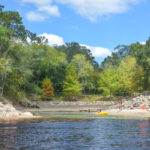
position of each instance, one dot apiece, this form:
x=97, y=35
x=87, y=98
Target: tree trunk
x=3, y=84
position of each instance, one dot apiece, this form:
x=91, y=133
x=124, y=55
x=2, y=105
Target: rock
x=136, y=105
x=1, y=105
x=8, y=112
x=29, y=104
x=27, y=114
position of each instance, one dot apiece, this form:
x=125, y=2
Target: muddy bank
x=74, y=106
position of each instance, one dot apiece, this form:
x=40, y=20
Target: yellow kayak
x=102, y=113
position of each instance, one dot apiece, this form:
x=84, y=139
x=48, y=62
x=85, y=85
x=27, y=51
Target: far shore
x=11, y=113
x=80, y=107
x=111, y=112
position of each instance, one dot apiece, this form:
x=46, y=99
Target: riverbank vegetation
x=31, y=69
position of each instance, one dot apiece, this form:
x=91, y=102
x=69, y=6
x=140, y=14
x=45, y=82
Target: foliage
x=130, y=76
x=47, y=61
x=5, y=69
x=71, y=86
x=15, y=28
x=47, y=89
x=83, y=68
x=73, y=48
x=71, y=68
x=4, y=42
x=14, y=86
x=108, y=82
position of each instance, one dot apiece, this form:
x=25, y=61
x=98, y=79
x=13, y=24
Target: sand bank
x=127, y=112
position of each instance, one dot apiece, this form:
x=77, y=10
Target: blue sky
x=101, y=25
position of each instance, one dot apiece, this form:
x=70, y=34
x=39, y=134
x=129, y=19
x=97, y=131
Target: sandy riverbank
x=88, y=107
x=111, y=112
x=8, y=112
x=127, y=112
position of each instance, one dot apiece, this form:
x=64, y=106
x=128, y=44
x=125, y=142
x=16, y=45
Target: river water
x=76, y=134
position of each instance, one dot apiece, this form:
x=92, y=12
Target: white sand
x=128, y=112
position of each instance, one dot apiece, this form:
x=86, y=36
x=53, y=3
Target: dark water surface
x=76, y=134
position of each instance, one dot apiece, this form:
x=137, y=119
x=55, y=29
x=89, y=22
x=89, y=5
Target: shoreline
x=127, y=112
x=10, y=113
x=111, y=112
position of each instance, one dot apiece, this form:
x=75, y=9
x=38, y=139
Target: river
x=76, y=134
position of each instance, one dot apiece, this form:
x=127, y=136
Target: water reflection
x=76, y=135
x=7, y=137
x=143, y=127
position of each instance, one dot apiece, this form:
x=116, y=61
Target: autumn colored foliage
x=47, y=89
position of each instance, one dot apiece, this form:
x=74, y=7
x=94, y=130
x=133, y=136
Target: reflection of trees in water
x=8, y=136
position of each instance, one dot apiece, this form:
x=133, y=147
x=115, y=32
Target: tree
x=73, y=48
x=5, y=68
x=71, y=86
x=15, y=28
x=47, y=89
x=48, y=62
x=108, y=81
x=130, y=76
x=4, y=41
x=83, y=68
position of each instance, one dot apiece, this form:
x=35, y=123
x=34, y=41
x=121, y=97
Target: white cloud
x=37, y=2
x=50, y=10
x=98, y=52
x=44, y=6
x=53, y=39
x=143, y=43
x=93, y=9
x=34, y=16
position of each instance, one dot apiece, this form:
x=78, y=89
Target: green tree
x=71, y=86
x=130, y=76
x=5, y=68
x=73, y=48
x=15, y=28
x=14, y=86
x=83, y=68
x=47, y=61
x=47, y=89
x=4, y=42
x=108, y=81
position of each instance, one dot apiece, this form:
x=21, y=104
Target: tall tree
x=47, y=61
x=47, y=89
x=5, y=68
x=108, y=82
x=71, y=86
x=73, y=48
x=130, y=76
x=83, y=68
x=4, y=42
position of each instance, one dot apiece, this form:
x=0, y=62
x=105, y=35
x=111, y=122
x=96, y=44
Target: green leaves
x=130, y=76
x=4, y=41
x=108, y=82
x=5, y=65
x=125, y=79
x=71, y=86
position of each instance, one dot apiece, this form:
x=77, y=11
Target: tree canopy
x=70, y=68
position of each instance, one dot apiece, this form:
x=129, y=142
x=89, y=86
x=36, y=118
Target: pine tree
x=47, y=89
x=71, y=85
